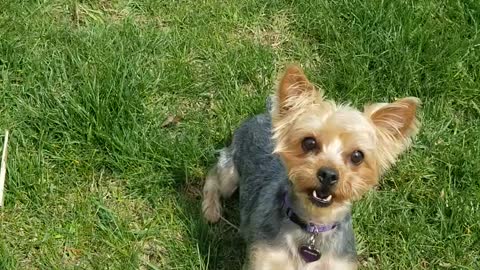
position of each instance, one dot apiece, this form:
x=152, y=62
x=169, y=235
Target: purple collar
x=309, y=227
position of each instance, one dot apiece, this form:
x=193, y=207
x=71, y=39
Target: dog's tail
x=270, y=102
x=222, y=181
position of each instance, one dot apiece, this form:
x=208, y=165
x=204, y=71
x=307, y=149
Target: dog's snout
x=327, y=176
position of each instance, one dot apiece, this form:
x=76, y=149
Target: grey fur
x=263, y=183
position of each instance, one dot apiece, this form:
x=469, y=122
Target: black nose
x=327, y=176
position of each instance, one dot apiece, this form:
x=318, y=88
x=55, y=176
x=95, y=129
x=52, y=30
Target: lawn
x=116, y=109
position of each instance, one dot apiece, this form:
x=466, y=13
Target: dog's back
x=263, y=181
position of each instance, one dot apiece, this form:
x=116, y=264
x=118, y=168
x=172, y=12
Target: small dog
x=299, y=168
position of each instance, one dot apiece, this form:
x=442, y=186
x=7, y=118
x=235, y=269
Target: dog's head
x=335, y=153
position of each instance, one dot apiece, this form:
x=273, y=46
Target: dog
x=299, y=167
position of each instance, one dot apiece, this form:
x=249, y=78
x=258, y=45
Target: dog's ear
x=397, y=119
x=395, y=123
x=293, y=87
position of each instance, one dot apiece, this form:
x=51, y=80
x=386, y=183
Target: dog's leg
x=331, y=262
x=343, y=265
x=222, y=181
x=264, y=257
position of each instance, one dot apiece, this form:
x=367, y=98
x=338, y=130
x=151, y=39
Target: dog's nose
x=327, y=176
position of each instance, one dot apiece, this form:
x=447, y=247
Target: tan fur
x=381, y=132
x=331, y=262
x=396, y=123
x=265, y=257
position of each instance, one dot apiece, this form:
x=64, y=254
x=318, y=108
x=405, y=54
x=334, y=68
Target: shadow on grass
x=219, y=245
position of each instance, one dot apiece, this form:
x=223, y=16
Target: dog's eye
x=309, y=144
x=357, y=157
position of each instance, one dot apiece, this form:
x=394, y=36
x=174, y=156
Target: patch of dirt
x=152, y=252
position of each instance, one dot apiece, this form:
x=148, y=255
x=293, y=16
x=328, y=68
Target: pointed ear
x=395, y=125
x=397, y=119
x=292, y=85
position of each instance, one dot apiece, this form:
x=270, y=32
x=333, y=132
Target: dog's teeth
x=325, y=200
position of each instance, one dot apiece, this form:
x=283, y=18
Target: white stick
x=3, y=168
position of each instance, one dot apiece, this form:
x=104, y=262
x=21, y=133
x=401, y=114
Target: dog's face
x=334, y=154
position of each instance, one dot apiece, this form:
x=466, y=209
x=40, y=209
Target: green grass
x=98, y=180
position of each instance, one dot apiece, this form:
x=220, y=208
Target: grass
x=100, y=177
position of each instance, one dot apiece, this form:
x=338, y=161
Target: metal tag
x=309, y=254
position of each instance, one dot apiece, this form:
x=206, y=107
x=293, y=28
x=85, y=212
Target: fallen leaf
x=171, y=121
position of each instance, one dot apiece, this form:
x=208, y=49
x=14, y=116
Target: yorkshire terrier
x=299, y=167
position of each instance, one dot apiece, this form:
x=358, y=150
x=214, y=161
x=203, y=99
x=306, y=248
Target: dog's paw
x=211, y=206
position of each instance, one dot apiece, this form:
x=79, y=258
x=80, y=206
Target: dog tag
x=309, y=254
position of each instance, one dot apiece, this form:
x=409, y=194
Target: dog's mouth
x=321, y=198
